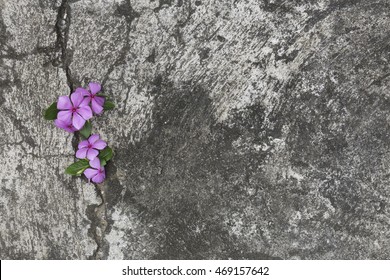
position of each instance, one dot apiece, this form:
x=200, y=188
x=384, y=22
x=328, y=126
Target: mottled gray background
x=246, y=129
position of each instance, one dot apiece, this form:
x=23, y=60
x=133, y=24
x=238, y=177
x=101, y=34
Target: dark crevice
x=96, y=213
x=63, y=60
x=62, y=30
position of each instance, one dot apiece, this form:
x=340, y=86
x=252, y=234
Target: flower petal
x=63, y=103
x=66, y=126
x=99, y=100
x=85, y=102
x=70, y=129
x=85, y=112
x=76, y=97
x=96, y=108
x=99, y=178
x=83, y=144
x=78, y=121
x=99, y=144
x=95, y=163
x=93, y=138
x=81, y=153
x=94, y=87
x=59, y=123
x=89, y=173
x=92, y=154
x=83, y=91
x=65, y=116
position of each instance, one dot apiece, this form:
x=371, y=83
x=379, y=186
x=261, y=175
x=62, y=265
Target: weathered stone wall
x=245, y=129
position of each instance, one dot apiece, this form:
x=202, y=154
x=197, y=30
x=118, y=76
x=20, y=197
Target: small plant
x=72, y=114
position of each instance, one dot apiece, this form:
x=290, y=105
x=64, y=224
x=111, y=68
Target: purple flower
x=89, y=148
x=68, y=126
x=96, y=101
x=74, y=110
x=97, y=173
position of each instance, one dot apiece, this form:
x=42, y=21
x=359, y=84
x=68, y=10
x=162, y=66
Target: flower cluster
x=73, y=113
x=76, y=110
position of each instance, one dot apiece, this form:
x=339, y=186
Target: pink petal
x=85, y=112
x=66, y=126
x=94, y=87
x=82, y=153
x=60, y=123
x=96, y=108
x=89, y=173
x=99, y=100
x=77, y=98
x=70, y=129
x=95, y=163
x=65, y=116
x=83, y=144
x=78, y=121
x=99, y=178
x=85, y=102
x=92, y=154
x=63, y=103
x=93, y=138
x=83, y=91
x=99, y=144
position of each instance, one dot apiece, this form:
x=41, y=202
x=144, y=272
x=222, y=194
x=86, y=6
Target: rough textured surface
x=248, y=129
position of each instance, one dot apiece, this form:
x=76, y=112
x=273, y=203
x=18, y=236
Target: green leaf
x=103, y=162
x=108, y=105
x=51, y=112
x=86, y=130
x=77, y=168
x=106, y=154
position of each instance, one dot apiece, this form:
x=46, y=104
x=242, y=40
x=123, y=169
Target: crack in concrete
x=62, y=30
x=95, y=213
x=98, y=216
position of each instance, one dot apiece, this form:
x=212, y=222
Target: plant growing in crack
x=73, y=113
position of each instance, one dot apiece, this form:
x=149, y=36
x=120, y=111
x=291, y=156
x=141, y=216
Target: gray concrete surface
x=247, y=129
